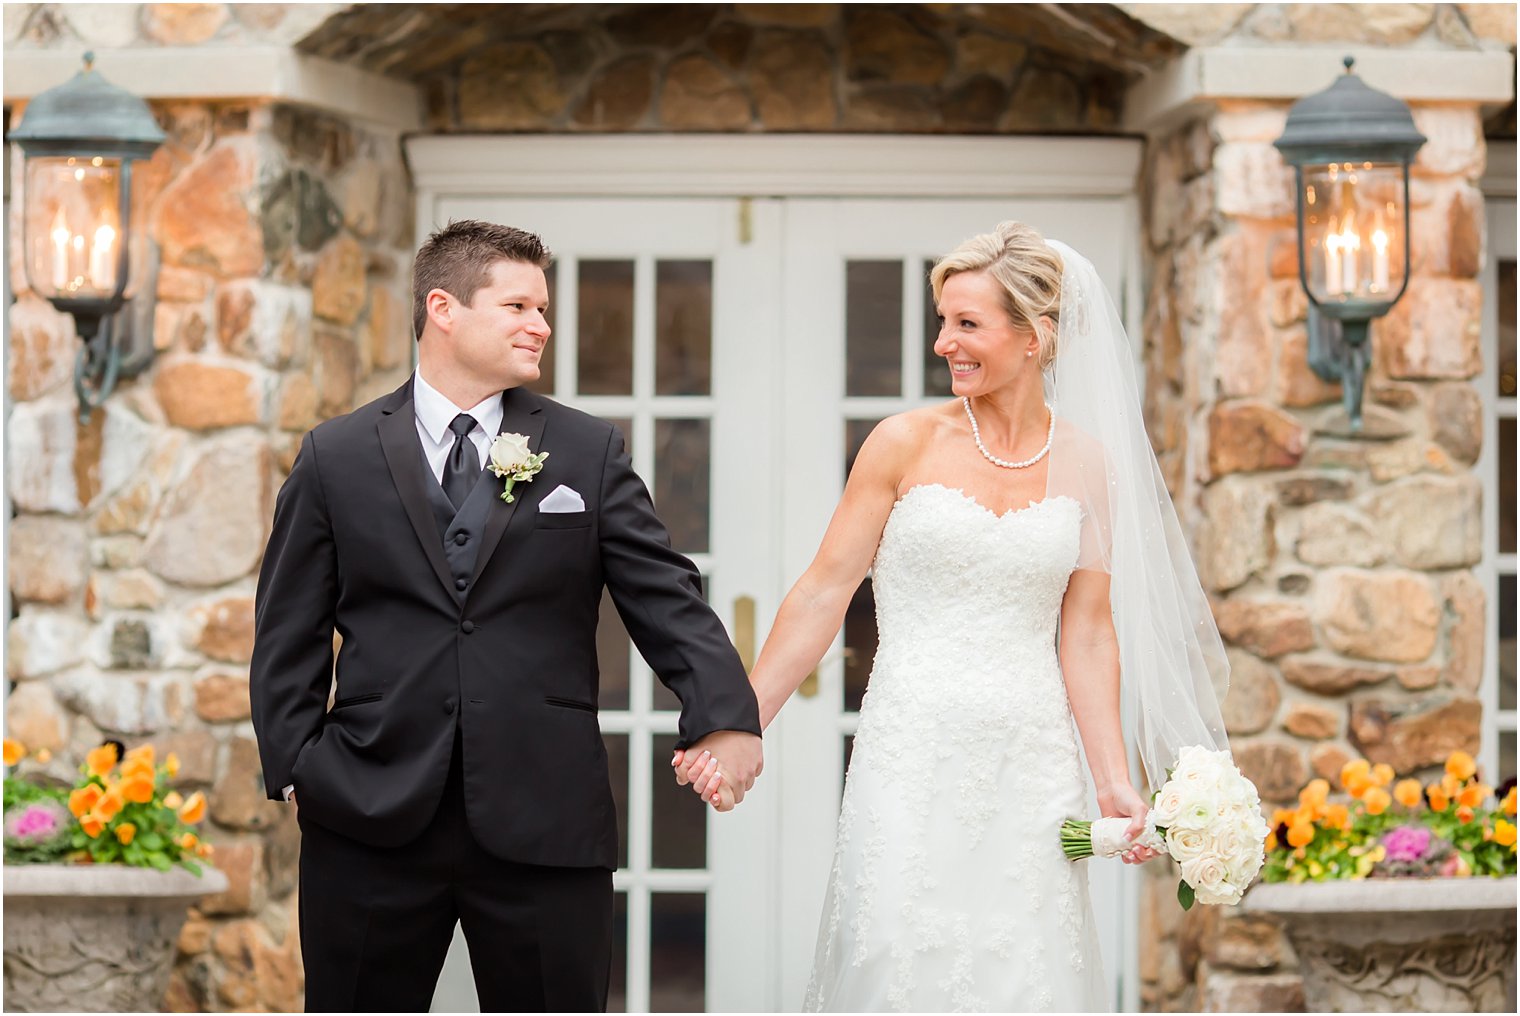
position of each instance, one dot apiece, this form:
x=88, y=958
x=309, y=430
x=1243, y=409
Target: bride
x=1024, y=553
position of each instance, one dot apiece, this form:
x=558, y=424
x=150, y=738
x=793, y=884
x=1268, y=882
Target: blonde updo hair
x=1026, y=267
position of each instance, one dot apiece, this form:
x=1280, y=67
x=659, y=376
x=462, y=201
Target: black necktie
x=462, y=468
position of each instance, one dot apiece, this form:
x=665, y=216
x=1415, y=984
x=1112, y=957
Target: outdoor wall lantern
x=80, y=140
x=1350, y=147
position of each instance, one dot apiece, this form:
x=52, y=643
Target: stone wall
x=283, y=299
x=1340, y=564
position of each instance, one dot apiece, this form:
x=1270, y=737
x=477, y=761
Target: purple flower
x=35, y=823
x=1406, y=844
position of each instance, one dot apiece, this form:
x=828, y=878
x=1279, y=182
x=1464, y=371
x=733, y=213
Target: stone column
x=283, y=299
x=1340, y=564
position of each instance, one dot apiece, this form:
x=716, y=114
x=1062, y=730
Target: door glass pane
x=1506, y=642
x=545, y=382
x=936, y=372
x=681, y=487
x=617, y=991
x=855, y=434
x=1506, y=296
x=604, y=343
x=679, y=834
x=677, y=952
x=1506, y=756
x=873, y=327
x=859, y=645
x=617, y=772
x=1507, y=485
x=683, y=328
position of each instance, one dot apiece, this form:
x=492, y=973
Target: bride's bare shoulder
x=901, y=438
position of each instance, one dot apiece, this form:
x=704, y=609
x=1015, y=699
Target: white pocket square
x=562, y=499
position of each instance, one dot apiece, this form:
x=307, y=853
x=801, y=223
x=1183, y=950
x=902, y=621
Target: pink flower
x=37, y=822
x=1407, y=844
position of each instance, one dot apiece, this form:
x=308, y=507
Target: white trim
x=782, y=165
x=227, y=72
x=1290, y=72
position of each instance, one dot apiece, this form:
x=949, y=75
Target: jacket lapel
x=398, y=438
x=521, y=414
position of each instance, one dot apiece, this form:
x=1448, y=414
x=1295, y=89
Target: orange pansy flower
x=99, y=761
x=172, y=800
x=171, y=764
x=1338, y=816
x=1464, y=813
x=1407, y=793
x=15, y=751
x=135, y=768
x=1300, y=834
x=194, y=809
x=142, y=751
x=109, y=805
x=1356, y=769
x=83, y=799
x=1504, y=833
x=1376, y=801
x=188, y=841
x=1509, y=802
x=91, y=825
x=1473, y=795
x=1461, y=765
x=125, y=832
x=137, y=789
x=1314, y=793
x=1450, y=785
x=1438, y=799
x=205, y=849
x=1382, y=774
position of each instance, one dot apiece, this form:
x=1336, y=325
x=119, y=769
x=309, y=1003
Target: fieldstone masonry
x=1340, y=565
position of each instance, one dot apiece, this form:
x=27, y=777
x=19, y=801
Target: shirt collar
x=435, y=412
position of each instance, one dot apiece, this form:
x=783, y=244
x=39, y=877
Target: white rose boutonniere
x=511, y=461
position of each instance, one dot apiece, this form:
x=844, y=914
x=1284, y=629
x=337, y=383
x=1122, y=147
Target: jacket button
x=461, y=584
x=467, y=627
x=448, y=706
x=461, y=538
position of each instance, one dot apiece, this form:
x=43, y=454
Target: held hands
x=720, y=767
x=1122, y=800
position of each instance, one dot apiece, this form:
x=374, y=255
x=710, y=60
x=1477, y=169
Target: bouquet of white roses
x=1207, y=816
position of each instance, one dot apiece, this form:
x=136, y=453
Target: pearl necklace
x=976, y=435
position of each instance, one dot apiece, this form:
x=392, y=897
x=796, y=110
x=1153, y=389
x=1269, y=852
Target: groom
x=460, y=773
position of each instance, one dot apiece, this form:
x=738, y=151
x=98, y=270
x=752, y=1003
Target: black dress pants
x=376, y=923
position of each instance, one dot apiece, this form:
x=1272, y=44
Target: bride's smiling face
x=984, y=349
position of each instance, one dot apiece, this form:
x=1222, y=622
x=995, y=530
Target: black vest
x=461, y=531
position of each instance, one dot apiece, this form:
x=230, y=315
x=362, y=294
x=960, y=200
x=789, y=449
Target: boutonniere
x=511, y=461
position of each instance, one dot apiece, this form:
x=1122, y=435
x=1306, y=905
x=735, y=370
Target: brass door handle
x=809, y=686
x=744, y=630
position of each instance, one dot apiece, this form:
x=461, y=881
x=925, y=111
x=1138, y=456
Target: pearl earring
x=1029, y=353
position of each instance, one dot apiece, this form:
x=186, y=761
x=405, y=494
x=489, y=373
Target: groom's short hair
x=458, y=259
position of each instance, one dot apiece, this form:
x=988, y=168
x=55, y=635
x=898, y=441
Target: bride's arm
x=813, y=611
x=1090, y=665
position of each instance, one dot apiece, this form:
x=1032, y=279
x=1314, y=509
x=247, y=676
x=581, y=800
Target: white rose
x=1186, y=844
x=1168, y=805
x=509, y=452
x=1198, y=812
x=1223, y=894
x=1206, y=872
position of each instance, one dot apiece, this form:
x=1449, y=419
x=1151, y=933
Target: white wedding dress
x=949, y=890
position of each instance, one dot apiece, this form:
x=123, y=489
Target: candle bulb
x=1333, y=261
x=60, y=234
x=1351, y=243
x=102, y=274
x=1380, y=261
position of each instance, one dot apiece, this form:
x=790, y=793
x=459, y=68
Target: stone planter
x=94, y=937
x=1400, y=945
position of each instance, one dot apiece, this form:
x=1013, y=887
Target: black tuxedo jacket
x=510, y=660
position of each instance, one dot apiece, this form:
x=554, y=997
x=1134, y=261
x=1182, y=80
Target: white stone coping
x=1383, y=895
x=1287, y=72
x=773, y=165
x=109, y=881
x=276, y=73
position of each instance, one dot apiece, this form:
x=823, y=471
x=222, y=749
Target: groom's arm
x=658, y=594
x=291, y=672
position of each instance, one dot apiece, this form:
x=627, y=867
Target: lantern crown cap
x=1349, y=121
x=87, y=115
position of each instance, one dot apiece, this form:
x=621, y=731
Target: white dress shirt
x=434, y=414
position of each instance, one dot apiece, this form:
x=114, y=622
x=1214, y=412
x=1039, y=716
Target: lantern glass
x=73, y=227
x=1353, y=235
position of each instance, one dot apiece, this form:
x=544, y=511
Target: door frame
x=765, y=166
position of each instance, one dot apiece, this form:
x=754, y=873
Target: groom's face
x=501, y=334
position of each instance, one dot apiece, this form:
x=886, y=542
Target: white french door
x=745, y=346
